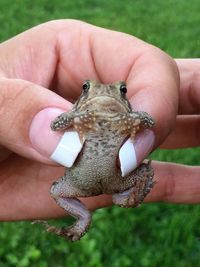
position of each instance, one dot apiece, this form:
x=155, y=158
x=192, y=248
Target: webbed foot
x=72, y=233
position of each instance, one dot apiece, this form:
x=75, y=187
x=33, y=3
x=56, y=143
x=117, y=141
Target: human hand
x=60, y=55
x=180, y=183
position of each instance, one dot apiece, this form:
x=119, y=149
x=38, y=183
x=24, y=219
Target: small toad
x=104, y=119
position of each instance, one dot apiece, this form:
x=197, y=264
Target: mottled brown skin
x=104, y=118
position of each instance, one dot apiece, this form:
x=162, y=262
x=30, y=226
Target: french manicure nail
x=62, y=148
x=131, y=154
x=67, y=149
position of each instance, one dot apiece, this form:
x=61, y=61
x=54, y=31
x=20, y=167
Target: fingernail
x=131, y=154
x=61, y=147
x=67, y=149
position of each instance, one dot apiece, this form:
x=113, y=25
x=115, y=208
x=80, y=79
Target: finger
x=4, y=153
x=175, y=183
x=26, y=111
x=185, y=134
x=29, y=198
x=50, y=68
x=157, y=94
x=30, y=56
x=24, y=191
x=189, y=102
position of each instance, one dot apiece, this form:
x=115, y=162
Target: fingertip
x=42, y=138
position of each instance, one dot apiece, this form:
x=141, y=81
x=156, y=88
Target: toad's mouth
x=107, y=103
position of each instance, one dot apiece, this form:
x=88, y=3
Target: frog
x=103, y=118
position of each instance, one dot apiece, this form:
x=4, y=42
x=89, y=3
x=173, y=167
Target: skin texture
x=25, y=74
x=104, y=118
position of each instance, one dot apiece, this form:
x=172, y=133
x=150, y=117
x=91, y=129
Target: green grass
x=154, y=234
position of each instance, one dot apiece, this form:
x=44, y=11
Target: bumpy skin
x=103, y=116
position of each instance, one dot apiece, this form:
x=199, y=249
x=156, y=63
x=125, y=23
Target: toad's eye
x=86, y=86
x=123, y=88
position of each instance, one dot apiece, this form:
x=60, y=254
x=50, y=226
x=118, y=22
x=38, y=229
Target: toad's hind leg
x=142, y=183
x=61, y=191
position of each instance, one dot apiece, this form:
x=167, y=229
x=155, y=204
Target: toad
x=104, y=119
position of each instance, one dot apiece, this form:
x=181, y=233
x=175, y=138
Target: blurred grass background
x=154, y=234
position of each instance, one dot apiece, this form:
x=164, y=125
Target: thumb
x=26, y=111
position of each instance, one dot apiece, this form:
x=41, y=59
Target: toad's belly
x=96, y=170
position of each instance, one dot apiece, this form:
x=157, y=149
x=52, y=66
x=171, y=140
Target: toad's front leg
x=146, y=121
x=132, y=122
x=80, y=121
x=63, y=121
x=139, y=120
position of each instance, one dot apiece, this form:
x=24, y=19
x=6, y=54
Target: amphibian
x=103, y=117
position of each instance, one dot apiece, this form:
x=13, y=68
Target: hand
x=180, y=183
x=60, y=55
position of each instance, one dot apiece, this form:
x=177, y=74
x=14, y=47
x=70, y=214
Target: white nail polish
x=67, y=149
x=127, y=157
